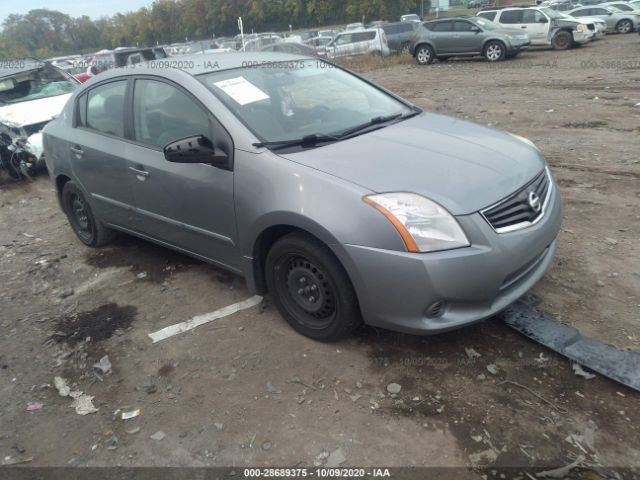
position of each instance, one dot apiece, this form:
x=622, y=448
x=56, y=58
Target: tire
x=624, y=26
x=495, y=51
x=562, y=40
x=424, y=55
x=87, y=228
x=311, y=289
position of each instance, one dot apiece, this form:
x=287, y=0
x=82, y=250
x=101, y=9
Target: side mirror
x=196, y=149
x=476, y=29
x=543, y=20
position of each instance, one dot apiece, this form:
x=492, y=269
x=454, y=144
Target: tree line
x=44, y=33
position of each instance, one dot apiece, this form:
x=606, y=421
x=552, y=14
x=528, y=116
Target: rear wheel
x=494, y=51
x=86, y=227
x=311, y=289
x=424, y=55
x=624, y=26
x=562, y=40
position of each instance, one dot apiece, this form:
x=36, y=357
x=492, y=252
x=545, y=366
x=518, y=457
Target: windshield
x=293, y=99
x=46, y=81
x=550, y=12
x=484, y=23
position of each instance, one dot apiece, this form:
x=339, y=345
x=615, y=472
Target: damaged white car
x=32, y=92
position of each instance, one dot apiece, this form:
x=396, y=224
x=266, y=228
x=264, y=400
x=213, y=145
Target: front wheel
x=311, y=289
x=424, y=55
x=494, y=51
x=561, y=40
x=624, y=26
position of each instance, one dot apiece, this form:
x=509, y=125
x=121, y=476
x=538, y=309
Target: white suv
x=360, y=42
x=544, y=26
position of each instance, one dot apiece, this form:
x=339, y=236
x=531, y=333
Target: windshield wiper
x=306, y=141
x=377, y=121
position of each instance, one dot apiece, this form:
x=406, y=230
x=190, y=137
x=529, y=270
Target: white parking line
x=196, y=321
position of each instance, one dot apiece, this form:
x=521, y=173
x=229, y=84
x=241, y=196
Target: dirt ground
x=248, y=390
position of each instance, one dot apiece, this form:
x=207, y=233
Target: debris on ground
x=486, y=457
x=34, y=407
x=61, y=385
x=394, y=388
x=272, y=389
x=620, y=365
x=104, y=365
x=133, y=431
x=561, y=472
x=131, y=414
x=581, y=372
x=321, y=458
x=266, y=446
x=493, y=369
x=336, y=458
x=158, y=436
x=471, y=353
x=15, y=460
x=82, y=403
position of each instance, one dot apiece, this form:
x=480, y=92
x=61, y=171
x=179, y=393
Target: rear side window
x=105, y=108
x=511, y=16
x=344, y=39
x=363, y=36
x=488, y=15
x=443, y=27
x=162, y=113
x=595, y=11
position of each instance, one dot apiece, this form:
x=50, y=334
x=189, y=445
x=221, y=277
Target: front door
x=186, y=205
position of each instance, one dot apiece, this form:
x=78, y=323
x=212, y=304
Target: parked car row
x=500, y=33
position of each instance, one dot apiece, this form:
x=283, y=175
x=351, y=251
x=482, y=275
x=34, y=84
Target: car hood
x=33, y=111
x=459, y=164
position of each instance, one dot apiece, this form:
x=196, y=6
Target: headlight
x=423, y=225
x=581, y=27
x=524, y=140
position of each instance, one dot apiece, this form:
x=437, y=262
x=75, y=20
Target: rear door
x=98, y=153
x=189, y=206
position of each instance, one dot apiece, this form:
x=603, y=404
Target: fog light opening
x=436, y=309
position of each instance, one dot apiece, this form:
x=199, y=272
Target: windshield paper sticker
x=241, y=90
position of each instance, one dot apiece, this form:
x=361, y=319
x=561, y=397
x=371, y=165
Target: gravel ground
x=247, y=390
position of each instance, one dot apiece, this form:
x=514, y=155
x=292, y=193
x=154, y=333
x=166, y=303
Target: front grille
x=523, y=208
x=591, y=26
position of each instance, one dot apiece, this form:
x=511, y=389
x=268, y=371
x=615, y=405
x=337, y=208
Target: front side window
x=162, y=113
x=532, y=16
x=462, y=26
x=488, y=15
x=105, y=108
x=303, y=98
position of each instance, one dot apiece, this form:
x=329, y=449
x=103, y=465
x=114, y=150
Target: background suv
x=462, y=36
x=359, y=42
x=544, y=26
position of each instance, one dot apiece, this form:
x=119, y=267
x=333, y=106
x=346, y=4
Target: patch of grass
x=367, y=63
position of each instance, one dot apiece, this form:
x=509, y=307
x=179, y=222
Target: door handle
x=523, y=26
x=77, y=151
x=139, y=173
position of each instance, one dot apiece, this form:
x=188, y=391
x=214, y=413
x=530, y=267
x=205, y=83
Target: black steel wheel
x=90, y=231
x=311, y=289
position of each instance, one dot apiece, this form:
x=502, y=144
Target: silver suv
x=371, y=41
x=545, y=26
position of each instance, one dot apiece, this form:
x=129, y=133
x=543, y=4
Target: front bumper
x=397, y=289
x=582, y=37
